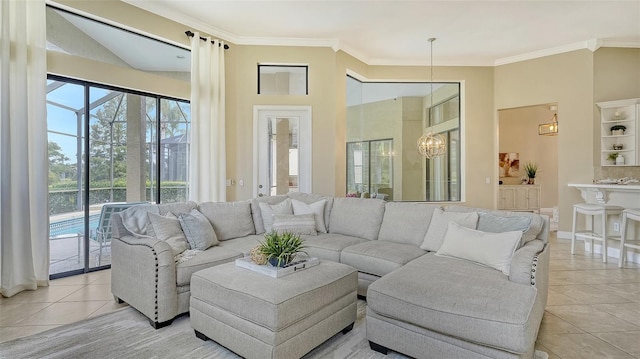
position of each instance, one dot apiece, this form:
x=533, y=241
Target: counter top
x=602, y=191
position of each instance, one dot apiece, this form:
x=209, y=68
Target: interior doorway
x=518, y=134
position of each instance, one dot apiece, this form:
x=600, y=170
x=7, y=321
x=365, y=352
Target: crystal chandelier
x=432, y=144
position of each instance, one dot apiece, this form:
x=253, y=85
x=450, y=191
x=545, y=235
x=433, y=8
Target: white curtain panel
x=207, y=157
x=24, y=217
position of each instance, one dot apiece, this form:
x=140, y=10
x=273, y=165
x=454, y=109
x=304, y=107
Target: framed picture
x=509, y=163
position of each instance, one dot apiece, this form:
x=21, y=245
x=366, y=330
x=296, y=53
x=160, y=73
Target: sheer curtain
x=207, y=156
x=24, y=217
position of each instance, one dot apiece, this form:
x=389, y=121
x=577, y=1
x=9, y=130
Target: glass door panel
x=283, y=155
x=65, y=119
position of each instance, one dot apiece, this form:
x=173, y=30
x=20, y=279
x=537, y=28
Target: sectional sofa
x=450, y=281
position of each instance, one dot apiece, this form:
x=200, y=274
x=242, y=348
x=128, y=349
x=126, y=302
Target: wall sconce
x=551, y=128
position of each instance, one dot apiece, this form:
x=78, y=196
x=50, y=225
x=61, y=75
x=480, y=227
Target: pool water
x=73, y=226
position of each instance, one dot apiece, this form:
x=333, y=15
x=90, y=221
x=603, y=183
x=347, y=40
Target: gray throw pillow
x=298, y=224
x=167, y=228
x=198, y=230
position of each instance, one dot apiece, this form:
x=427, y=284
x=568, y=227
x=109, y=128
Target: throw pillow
x=298, y=224
x=198, y=230
x=269, y=210
x=439, y=225
x=488, y=222
x=167, y=228
x=315, y=208
x=491, y=249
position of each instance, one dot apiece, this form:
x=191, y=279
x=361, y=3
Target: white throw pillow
x=315, y=208
x=491, y=249
x=298, y=224
x=167, y=228
x=439, y=224
x=268, y=210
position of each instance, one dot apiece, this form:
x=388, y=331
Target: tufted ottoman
x=257, y=316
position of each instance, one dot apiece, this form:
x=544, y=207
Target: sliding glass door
x=108, y=147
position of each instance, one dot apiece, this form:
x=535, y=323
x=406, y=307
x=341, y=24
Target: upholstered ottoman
x=257, y=316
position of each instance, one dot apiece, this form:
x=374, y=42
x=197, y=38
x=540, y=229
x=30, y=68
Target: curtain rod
x=191, y=34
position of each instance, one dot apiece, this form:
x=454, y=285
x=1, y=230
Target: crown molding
x=546, y=52
x=160, y=9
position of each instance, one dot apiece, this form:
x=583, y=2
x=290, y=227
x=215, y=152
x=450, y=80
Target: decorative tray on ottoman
x=277, y=272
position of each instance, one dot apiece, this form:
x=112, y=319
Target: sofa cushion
x=458, y=298
x=198, y=230
x=439, y=224
x=309, y=198
x=167, y=228
x=328, y=246
x=243, y=244
x=298, y=224
x=491, y=249
x=379, y=257
x=357, y=217
x=229, y=219
x=315, y=208
x=267, y=211
x=205, y=259
x=406, y=222
x=256, y=213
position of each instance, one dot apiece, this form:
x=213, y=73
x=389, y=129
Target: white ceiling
x=474, y=33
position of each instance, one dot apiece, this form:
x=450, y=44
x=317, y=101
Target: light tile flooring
x=593, y=309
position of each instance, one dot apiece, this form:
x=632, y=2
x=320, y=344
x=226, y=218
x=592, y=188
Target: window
x=370, y=168
x=283, y=79
x=108, y=145
x=401, y=112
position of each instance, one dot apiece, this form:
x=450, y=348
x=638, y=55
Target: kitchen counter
x=606, y=193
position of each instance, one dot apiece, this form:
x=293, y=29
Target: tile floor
x=593, y=309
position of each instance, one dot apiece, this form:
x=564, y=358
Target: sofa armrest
x=525, y=262
x=143, y=274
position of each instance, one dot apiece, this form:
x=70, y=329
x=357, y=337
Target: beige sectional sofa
x=424, y=300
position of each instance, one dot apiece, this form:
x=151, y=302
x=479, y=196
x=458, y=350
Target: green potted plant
x=618, y=130
x=612, y=157
x=531, y=169
x=281, y=248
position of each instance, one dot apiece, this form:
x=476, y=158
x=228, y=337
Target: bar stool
x=592, y=210
x=627, y=214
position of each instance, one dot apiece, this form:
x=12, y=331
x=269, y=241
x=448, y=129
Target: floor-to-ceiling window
x=108, y=145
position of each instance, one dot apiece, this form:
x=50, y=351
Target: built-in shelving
x=619, y=113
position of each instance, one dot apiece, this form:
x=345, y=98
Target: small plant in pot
x=612, y=157
x=531, y=169
x=281, y=248
x=618, y=130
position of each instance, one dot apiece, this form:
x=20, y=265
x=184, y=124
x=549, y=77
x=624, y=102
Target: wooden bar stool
x=592, y=210
x=633, y=215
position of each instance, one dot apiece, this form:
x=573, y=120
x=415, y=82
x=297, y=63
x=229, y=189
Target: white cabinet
x=519, y=198
x=613, y=116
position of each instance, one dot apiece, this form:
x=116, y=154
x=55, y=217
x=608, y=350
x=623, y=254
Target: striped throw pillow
x=298, y=224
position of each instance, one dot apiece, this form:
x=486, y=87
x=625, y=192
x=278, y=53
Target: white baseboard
x=614, y=252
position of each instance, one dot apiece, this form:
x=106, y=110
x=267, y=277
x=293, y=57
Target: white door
x=282, y=150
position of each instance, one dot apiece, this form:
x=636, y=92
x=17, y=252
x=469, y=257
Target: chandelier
x=551, y=128
x=432, y=144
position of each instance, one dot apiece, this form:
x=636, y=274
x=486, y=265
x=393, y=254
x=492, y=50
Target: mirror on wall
x=384, y=122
